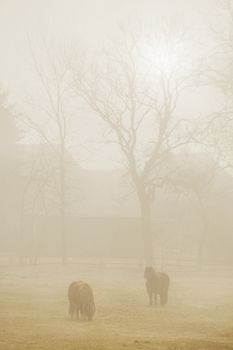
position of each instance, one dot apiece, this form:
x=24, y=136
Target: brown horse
x=81, y=301
x=157, y=283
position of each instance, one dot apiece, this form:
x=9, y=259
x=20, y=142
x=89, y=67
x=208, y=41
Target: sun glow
x=162, y=58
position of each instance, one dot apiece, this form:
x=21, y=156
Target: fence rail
x=169, y=264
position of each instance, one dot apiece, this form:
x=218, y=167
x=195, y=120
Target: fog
x=116, y=174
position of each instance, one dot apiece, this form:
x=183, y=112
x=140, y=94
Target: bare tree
x=194, y=177
x=217, y=72
x=52, y=119
x=38, y=196
x=9, y=171
x=134, y=88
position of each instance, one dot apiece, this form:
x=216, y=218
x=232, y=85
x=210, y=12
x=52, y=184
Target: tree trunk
x=21, y=238
x=147, y=234
x=203, y=232
x=62, y=204
x=63, y=234
x=200, y=252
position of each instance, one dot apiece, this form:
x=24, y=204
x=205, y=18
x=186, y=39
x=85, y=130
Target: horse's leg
x=71, y=310
x=86, y=312
x=82, y=312
x=150, y=297
x=150, y=293
x=77, y=312
x=155, y=298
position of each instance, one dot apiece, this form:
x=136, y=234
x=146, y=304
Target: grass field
x=33, y=310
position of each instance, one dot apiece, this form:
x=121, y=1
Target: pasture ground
x=33, y=310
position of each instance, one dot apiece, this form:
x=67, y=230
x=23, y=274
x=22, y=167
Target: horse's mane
x=149, y=273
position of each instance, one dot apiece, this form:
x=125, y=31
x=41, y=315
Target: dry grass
x=33, y=311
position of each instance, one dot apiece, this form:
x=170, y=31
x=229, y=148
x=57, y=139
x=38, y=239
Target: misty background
x=116, y=131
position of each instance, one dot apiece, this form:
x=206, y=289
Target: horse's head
x=91, y=310
x=149, y=273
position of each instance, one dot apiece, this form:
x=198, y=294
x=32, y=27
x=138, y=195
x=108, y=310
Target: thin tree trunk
x=203, y=232
x=147, y=234
x=62, y=205
x=21, y=238
x=200, y=252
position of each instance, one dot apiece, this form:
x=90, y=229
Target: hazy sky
x=69, y=20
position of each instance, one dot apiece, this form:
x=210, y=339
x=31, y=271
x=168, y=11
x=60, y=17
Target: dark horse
x=157, y=283
x=81, y=300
